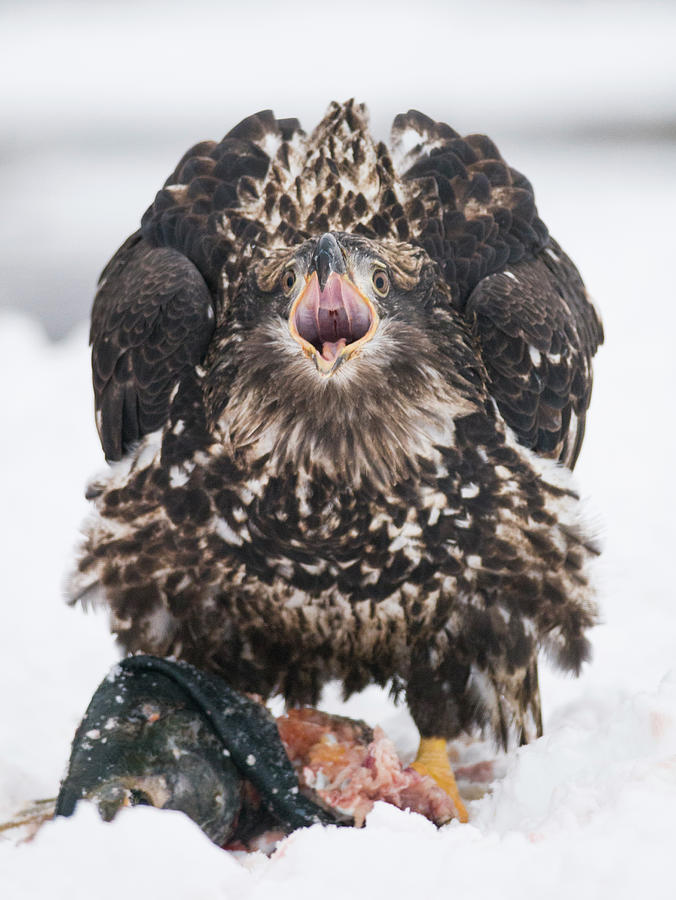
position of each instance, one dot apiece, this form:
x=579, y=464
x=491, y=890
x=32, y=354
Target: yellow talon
x=432, y=760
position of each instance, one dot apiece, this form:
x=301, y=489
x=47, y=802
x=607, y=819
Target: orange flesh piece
x=328, y=755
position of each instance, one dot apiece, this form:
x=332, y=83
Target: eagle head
x=335, y=344
x=336, y=299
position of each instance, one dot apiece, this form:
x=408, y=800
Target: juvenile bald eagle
x=341, y=387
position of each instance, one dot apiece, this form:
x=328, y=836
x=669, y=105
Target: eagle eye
x=288, y=281
x=381, y=282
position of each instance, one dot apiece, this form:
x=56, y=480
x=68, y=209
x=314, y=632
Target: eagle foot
x=432, y=760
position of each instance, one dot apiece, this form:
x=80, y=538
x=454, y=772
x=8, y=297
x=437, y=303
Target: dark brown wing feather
x=538, y=333
x=471, y=212
x=536, y=329
x=211, y=207
x=152, y=321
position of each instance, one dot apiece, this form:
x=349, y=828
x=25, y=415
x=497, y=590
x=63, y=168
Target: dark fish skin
x=165, y=734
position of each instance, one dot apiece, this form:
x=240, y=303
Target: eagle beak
x=331, y=319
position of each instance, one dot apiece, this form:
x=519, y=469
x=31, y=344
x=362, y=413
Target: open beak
x=331, y=319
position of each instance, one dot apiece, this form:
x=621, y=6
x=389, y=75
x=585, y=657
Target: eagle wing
x=538, y=333
x=522, y=296
x=264, y=185
x=227, y=202
x=157, y=303
x=152, y=321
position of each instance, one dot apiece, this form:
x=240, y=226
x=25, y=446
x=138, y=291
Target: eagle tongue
x=331, y=349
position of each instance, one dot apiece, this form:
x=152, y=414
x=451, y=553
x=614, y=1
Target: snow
x=587, y=811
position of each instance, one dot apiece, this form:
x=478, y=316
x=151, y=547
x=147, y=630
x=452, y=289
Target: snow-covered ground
x=587, y=810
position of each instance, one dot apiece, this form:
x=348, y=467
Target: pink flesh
x=333, y=318
x=367, y=771
x=360, y=768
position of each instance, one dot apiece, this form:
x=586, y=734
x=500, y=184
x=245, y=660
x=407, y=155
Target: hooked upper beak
x=331, y=319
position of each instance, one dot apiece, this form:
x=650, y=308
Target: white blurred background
x=99, y=100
